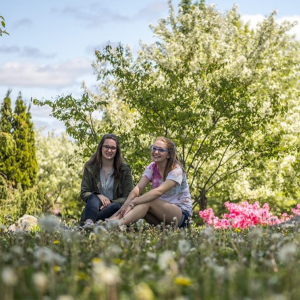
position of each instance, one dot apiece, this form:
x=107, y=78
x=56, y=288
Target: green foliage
x=60, y=170
x=7, y=152
x=34, y=201
x=211, y=85
x=221, y=91
x=25, y=165
x=16, y=202
x=77, y=115
x=6, y=114
x=2, y=26
x=32, y=162
x=61, y=262
x=3, y=188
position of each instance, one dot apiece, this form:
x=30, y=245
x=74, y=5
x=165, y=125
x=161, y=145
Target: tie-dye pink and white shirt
x=179, y=194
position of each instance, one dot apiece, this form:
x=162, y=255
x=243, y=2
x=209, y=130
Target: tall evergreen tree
x=7, y=147
x=6, y=114
x=25, y=169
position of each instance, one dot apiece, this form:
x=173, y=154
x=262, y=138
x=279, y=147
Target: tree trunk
x=203, y=200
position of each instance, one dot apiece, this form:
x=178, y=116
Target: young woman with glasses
x=106, y=182
x=169, y=200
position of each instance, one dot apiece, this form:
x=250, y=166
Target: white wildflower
x=166, y=261
x=49, y=223
x=9, y=276
x=46, y=255
x=146, y=268
x=184, y=247
x=112, y=224
x=115, y=250
x=255, y=233
x=65, y=297
x=40, y=280
x=286, y=253
x=151, y=255
x=104, y=274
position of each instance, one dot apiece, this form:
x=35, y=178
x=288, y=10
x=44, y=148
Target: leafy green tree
x=60, y=170
x=32, y=160
x=79, y=118
x=25, y=167
x=213, y=86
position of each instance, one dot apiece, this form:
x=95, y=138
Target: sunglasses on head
x=153, y=148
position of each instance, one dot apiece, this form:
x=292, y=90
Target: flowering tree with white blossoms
x=219, y=89
x=60, y=169
x=212, y=85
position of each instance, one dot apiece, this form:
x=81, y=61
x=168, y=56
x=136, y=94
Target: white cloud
x=26, y=51
x=152, y=11
x=32, y=74
x=22, y=23
x=96, y=14
x=296, y=29
x=253, y=19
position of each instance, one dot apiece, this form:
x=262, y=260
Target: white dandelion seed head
x=40, y=280
x=184, y=247
x=9, y=276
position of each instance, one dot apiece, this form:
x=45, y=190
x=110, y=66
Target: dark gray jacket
x=91, y=184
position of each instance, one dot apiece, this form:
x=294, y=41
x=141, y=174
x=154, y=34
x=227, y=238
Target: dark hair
x=173, y=159
x=96, y=158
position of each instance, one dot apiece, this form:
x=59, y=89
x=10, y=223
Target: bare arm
x=155, y=193
x=137, y=190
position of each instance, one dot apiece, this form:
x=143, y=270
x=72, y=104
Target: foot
x=88, y=225
x=110, y=224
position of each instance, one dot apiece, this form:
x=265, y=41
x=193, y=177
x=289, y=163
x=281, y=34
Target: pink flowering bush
x=243, y=215
x=296, y=211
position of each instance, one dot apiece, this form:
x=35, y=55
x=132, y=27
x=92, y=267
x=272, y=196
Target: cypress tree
x=6, y=114
x=7, y=147
x=25, y=169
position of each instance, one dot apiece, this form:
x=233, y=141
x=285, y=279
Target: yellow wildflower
x=81, y=276
x=56, y=269
x=96, y=260
x=184, y=281
x=118, y=261
x=143, y=292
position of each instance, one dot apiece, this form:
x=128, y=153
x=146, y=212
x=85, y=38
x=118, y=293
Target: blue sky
x=51, y=44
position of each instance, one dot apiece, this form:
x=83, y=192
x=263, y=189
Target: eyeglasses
x=153, y=148
x=109, y=147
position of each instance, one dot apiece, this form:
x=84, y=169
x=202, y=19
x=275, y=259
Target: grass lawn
x=65, y=263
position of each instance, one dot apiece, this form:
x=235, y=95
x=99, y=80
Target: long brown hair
x=173, y=158
x=96, y=158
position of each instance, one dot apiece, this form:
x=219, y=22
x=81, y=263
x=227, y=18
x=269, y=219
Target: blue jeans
x=91, y=210
x=185, y=219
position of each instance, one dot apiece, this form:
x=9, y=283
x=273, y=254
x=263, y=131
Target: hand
x=125, y=209
x=105, y=201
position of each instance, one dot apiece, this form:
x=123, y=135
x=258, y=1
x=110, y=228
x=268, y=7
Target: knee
x=115, y=206
x=146, y=205
x=93, y=198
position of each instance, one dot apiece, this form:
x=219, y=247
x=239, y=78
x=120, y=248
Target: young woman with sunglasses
x=106, y=183
x=169, y=200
